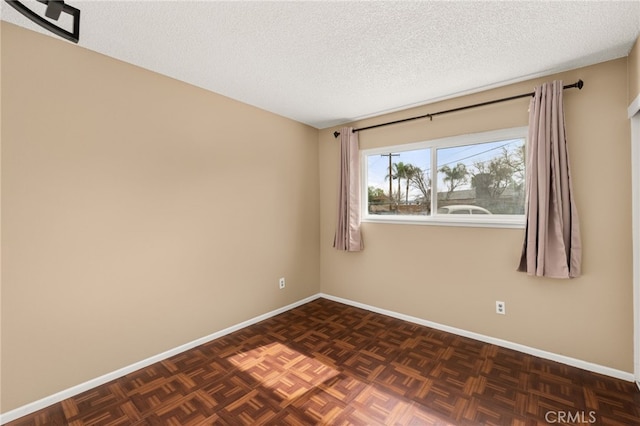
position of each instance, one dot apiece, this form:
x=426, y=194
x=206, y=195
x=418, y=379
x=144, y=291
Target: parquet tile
x=327, y=363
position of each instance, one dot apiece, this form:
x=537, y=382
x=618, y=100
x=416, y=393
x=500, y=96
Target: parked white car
x=463, y=209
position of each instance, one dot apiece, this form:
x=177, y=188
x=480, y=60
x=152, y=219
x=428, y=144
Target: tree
x=376, y=198
x=400, y=172
x=422, y=183
x=494, y=176
x=409, y=171
x=519, y=166
x=454, y=177
x=393, y=175
x=375, y=194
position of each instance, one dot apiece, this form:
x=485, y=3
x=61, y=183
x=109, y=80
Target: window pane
x=403, y=190
x=486, y=178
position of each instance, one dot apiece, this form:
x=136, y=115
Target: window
x=475, y=179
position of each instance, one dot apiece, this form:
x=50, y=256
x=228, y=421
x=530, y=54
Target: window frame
x=491, y=221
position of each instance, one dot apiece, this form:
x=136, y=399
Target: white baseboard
x=585, y=365
x=75, y=390
x=90, y=384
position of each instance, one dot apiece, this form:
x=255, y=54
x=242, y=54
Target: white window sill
x=446, y=220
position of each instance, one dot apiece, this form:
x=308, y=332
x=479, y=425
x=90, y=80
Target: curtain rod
x=579, y=84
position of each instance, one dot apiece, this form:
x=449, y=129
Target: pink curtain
x=552, y=245
x=347, y=235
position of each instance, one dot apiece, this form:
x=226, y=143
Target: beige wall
x=139, y=213
x=454, y=275
x=634, y=72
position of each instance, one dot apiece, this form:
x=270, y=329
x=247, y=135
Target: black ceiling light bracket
x=54, y=9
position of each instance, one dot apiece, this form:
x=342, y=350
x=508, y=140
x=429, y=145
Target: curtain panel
x=552, y=244
x=347, y=236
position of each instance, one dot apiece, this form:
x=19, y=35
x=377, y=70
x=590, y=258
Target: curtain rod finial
x=580, y=84
x=336, y=134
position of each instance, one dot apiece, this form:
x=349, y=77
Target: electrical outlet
x=501, y=308
x=281, y=283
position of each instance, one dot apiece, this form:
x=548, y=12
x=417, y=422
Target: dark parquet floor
x=332, y=364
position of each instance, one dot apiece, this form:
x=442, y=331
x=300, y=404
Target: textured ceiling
x=331, y=62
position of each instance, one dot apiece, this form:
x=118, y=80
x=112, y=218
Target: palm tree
x=400, y=172
x=410, y=172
